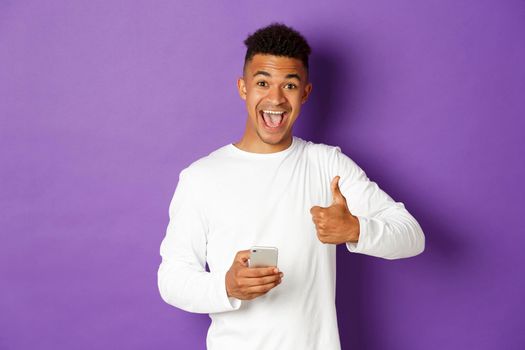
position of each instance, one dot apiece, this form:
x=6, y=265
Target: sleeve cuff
x=228, y=303
x=359, y=246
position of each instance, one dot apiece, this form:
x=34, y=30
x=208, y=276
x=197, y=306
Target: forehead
x=275, y=65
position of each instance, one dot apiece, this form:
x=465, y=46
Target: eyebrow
x=288, y=76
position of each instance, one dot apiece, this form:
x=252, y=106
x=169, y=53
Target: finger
x=254, y=295
x=258, y=281
x=337, y=196
x=258, y=271
x=263, y=288
x=315, y=210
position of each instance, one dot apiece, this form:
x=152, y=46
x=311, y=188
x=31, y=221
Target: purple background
x=102, y=103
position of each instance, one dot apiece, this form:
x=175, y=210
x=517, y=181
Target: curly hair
x=279, y=40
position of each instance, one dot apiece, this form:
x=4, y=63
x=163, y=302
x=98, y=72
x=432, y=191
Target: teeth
x=274, y=112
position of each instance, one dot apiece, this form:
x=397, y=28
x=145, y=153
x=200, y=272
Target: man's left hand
x=335, y=224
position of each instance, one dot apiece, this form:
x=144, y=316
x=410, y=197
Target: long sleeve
x=183, y=281
x=387, y=229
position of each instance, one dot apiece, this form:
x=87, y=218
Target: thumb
x=338, y=197
x=242, y=256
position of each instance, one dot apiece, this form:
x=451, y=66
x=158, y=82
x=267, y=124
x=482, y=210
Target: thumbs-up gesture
x=335, y=224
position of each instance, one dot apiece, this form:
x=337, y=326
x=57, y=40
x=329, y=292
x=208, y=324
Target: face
x=274, y=88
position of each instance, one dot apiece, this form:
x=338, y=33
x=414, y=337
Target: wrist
x=353, y=232
x=228, y=294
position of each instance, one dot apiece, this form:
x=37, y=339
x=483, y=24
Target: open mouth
x=273, y=120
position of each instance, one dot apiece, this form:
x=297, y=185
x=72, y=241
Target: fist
x=335, y=224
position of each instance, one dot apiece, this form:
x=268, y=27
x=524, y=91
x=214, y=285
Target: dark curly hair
x=279, y=40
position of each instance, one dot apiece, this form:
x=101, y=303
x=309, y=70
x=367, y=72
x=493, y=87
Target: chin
x=272, y=139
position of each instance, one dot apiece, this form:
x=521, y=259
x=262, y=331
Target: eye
x=261, y=83
x=291, y=86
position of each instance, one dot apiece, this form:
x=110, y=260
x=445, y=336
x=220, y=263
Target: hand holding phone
x=245, y=283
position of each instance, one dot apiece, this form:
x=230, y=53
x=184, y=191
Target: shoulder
x=331, y=156
x=201, y=169
x=320, y=151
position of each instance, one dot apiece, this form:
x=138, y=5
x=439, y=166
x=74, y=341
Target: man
x=274, y=189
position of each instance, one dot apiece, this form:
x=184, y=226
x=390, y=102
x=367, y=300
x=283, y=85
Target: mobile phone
x=263, y=256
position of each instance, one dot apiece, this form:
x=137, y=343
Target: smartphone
x=262, y=256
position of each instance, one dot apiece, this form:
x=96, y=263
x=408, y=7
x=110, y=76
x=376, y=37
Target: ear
x=306, y=93
x=241, y=87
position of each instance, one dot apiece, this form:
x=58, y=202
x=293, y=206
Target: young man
x=274, y=189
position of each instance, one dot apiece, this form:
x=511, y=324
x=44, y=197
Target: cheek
x=252, y=101
x=296, y=105
x=251, y=106
x=295, y=99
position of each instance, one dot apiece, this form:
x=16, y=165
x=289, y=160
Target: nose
x=276, y=96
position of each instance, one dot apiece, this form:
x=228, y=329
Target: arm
x=183, y=281
x=386, y=229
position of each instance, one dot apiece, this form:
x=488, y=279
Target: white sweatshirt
x=231, y=200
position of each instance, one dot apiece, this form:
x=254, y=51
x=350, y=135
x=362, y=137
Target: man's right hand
x=245, y=283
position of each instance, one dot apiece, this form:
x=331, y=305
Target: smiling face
x=274, y=88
